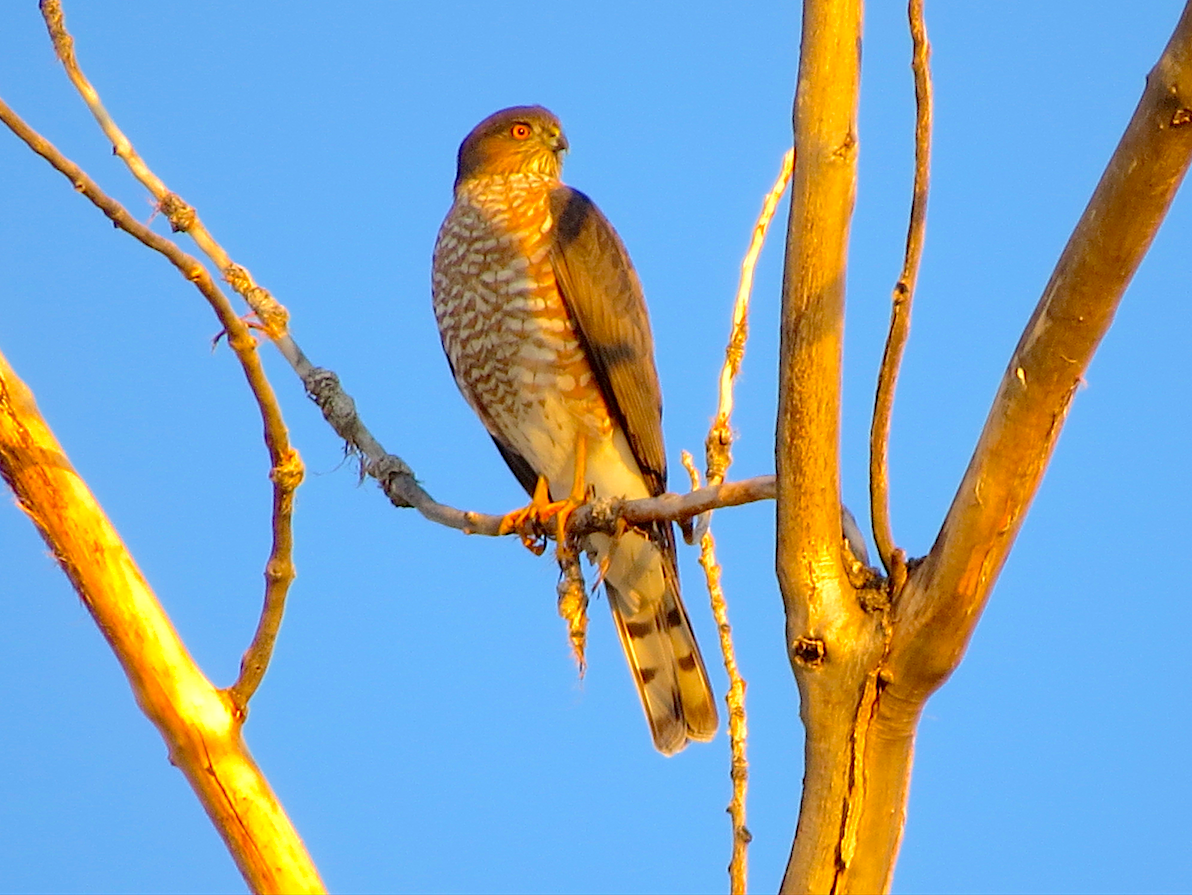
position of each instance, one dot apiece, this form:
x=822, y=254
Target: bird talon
x=529, y=522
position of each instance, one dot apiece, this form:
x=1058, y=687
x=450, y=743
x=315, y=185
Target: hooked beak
x=558, y=143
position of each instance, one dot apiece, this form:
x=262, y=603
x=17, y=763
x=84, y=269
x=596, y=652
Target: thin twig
x=900, y=314
x=286, y=473
x=738, y=733
x=287, y=469
x=718, y=446
x=718, y=454
x=182, y=217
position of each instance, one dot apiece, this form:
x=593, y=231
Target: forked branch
x=287, y=471
x=926, y=628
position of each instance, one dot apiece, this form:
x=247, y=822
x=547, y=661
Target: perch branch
x=199, y=723
x=900, y=313
x=395, y=477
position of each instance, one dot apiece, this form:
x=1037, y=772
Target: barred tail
x=643, y=593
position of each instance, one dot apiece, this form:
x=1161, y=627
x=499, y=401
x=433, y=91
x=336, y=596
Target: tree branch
x=718, y=454
x=200, y=724
x=933, y=618
x=718, y=445
x=182, y=217
x=948, y=590
x=834, y=643
x=287, y=470
x=893, y=559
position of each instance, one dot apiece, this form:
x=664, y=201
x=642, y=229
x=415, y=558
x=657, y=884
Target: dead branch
x=200, y=724
x=718, y=446
x=738, y=731
x=287, y=470
x=718, y=454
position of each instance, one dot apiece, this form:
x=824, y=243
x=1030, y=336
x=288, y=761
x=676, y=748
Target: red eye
x=520, y=131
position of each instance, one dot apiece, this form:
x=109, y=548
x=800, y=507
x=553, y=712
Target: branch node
x=337, y=405
x=873, y=598
x=274, y=318
x=809, y=652
x=180, y=215
x=387, y=470
x=289, y=471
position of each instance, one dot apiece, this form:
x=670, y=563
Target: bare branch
x=718, y=453
x=182, y=217
x=200, y=724
x=900, y=314
x=738, y=732
x=822, y=196
x=947, y=592
x=287, y=471
x=718, y=446
x=930, y=622
x=836, y=634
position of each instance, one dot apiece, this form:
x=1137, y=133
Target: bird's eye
x=520, y=131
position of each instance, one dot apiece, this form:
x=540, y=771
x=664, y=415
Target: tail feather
x=655, y=632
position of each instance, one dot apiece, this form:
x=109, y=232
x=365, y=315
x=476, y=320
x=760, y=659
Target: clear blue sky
x=422, y=721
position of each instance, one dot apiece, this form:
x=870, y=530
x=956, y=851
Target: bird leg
x=529, y=520
x=576, y=498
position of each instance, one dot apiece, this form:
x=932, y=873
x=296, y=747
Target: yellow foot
x=529, y=522
x=576, y=499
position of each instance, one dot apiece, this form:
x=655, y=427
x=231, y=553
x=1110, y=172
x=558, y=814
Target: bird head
x=518, y=140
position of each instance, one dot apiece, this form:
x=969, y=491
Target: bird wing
x=601, y=290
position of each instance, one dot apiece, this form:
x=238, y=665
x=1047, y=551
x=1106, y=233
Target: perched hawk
x=545, y=327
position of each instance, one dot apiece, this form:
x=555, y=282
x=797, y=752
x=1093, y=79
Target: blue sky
x=422, y=721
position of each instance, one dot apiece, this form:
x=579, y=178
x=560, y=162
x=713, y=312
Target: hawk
x=545, y=328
